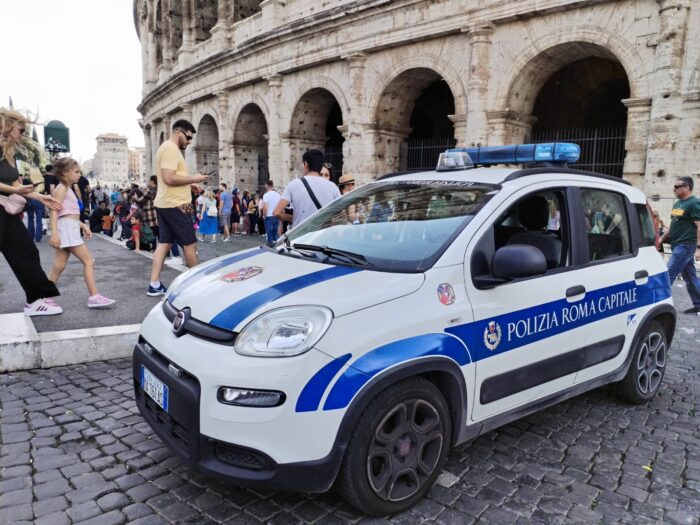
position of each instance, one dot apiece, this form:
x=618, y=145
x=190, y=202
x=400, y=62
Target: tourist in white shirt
x=269, y=203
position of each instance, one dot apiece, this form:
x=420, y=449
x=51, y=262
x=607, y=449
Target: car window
x=394, y=225
x=538, y=220
x=646, y=224
x=607, y=225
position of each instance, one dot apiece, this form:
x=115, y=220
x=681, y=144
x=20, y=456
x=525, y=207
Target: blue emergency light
x=551, y=152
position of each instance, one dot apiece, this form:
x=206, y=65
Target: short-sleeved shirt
x=170, y=157
x=271, y=198
x=296, y=193
x=683, y=217
x=226, y=202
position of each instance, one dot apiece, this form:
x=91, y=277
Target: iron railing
x=422, y=154
x=334, y=155
x=602, y=149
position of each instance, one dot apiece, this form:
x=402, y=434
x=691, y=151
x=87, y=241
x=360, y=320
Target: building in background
x=87, y=168
x=391, y=84
x=111, y=162
x=137, y=167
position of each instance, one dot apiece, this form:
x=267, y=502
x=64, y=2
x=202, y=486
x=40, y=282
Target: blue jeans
x=271, y=224
x=34, y=223
x=682, y=262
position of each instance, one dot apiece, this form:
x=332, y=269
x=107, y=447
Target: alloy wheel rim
x=405, y=450
x=651, y=363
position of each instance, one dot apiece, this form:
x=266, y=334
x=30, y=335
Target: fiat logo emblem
x=180, y=321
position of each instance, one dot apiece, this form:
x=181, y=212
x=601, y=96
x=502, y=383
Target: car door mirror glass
x=518, y=260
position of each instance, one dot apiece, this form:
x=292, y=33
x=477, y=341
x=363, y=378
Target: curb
x=23, y=348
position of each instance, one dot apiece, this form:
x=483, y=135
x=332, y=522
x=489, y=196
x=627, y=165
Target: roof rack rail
x=538, y=171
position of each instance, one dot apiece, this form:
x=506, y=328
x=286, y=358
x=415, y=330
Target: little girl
x=65, y=231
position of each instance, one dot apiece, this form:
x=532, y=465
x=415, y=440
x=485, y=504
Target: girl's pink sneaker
x=99, y=301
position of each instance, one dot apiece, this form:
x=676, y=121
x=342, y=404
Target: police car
x=411, y=315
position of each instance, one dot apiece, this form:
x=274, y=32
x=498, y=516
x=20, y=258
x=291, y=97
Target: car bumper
x=179, y=429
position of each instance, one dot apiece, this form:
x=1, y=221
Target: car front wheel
x=397, y=448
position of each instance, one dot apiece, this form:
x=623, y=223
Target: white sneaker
x=174, y=260
x=42, y=307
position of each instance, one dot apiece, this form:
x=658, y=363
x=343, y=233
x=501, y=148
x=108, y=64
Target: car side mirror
x=518, y=260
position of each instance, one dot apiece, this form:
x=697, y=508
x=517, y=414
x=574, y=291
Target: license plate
x=154, y=387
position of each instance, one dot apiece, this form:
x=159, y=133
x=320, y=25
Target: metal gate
x=263, y=170
x=602, y=149
x=334, y=155
x=422, y=154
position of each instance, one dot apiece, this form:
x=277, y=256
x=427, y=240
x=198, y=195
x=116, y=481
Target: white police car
x=411, y=315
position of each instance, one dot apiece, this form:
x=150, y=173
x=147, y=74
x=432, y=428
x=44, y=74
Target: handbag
x=212, y=211
x=14, y=204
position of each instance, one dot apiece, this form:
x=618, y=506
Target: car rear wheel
x=648, y=366
x=397, y=448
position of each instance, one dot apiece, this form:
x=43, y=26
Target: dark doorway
x=334, y=142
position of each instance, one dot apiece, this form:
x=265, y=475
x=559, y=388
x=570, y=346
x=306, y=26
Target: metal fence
x=422, y=154
x=602, y=149
x=334, y=155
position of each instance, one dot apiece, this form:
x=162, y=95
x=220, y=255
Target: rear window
x=646, y=224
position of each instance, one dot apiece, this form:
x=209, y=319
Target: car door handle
x=575, y=290
x=641, y=274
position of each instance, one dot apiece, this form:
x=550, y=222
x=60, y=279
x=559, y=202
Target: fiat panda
x=409, y=316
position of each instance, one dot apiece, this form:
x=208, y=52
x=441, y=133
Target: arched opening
x=175, y=26
x=250, y=149
x=413, y=120
x=158, y=34
x=206, y=14
x=315, y=122
x=207, y=149
x=243, y=9
x=161, y=139
x=582, y=103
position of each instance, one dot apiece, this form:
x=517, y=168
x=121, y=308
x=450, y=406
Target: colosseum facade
x=383, y=85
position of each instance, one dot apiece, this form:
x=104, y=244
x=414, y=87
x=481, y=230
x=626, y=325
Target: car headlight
x=284, y=332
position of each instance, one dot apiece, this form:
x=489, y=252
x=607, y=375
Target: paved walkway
x=75, y=449
x=120, y=273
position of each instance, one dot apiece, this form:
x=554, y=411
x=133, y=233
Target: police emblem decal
x=242, y=274
x=446, y=294
x=179, y=322
x=492, y=335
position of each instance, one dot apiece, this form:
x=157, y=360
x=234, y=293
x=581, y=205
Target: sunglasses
x=678, y=186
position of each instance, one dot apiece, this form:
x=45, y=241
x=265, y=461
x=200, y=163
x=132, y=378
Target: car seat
x=533, y=213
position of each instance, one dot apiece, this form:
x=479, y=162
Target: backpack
x=147, y=234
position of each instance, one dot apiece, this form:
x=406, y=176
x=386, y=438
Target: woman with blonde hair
x=15, y=244
x=208, y=216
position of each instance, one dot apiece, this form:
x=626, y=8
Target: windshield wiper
x=356, y=258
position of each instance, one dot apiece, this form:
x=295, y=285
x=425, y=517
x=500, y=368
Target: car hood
x=227, y=292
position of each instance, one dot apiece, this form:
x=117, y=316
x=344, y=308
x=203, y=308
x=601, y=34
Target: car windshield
x=401, y=226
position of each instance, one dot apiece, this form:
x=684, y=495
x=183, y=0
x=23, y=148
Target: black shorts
x=175, y=226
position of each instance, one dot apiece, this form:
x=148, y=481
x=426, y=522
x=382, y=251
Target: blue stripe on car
x=595, y=306
x=556, y=317
x=311, y=395
x=370, y=364
x=230, y=317
x=215, y=267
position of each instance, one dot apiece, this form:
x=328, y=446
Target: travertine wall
x=290, y=61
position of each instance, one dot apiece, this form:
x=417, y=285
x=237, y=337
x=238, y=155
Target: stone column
x=278, y=149
x=225, y=139
x=185, y=56
x=385, y=145
x=357, y=157
x=220, y=31
x=478, y=84
x=665, y=118
x=148, y=151
x=272, y=13
x=508, y=127
x=151, y=73
x=638, y=110
x=460, y=124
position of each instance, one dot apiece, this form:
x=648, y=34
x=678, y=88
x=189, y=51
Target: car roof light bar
x=549, y=153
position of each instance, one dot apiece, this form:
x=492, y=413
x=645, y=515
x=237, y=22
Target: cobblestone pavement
x=74, y=449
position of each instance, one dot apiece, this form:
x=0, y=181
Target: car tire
x=648, y=366
x=397, y=448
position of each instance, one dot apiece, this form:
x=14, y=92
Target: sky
x=77, y=61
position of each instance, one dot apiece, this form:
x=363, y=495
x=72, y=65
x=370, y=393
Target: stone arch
x=243, y=9
x=315, y=121
x=206, y=14
x=411, y=117
x=250, y=147
x=546, y=55
x=207, y=148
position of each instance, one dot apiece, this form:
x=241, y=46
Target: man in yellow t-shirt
x=173, y=203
